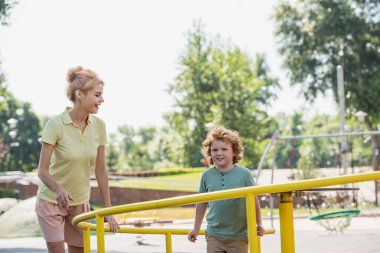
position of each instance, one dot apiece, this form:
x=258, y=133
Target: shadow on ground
x=26, y=250
x=22, y=250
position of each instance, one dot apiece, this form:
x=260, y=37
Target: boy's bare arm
x=260, y=229
x=258, y=211
x=200, y=211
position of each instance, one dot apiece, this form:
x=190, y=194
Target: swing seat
x=346, y=213
x=336, y=221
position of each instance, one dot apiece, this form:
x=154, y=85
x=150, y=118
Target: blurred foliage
x=145, y=148
x=112, y=153
x=218, y=84
x=306, y=168
x=316, y=36
x=178, y=171
x=5, y=7
x=19, y=138
x=288, y=152
x=9, y=193
x=19, y=126
x=319, y=152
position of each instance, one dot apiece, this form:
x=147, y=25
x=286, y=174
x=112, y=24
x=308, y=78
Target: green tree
x=321, y=152
x=162, y=148
x=20, y=136
x=219, y=84
x=5, y=7
x=19, y=146
x=288, y=151
x=134, y=148
x=315, y=36
x=359, y=147
x=4, y=150
x=112, y=155
x=306, y=169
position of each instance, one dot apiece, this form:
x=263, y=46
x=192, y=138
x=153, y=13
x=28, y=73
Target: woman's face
x=92, y=100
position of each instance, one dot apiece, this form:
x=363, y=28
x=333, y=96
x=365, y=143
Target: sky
x=134, y=46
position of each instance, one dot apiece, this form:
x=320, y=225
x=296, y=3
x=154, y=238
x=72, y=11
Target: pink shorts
x=55, y=222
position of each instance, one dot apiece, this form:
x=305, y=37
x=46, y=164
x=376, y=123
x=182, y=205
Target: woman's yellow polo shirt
x=74, y=156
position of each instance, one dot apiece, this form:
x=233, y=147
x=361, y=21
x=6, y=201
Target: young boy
x=226, y=220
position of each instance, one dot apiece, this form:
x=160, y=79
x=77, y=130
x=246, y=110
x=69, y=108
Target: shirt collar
x=224, y=172
x=67, y=119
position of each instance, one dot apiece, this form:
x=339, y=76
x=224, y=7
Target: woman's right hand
x=63, y=197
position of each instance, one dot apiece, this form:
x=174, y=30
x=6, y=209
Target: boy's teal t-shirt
x=226, y=218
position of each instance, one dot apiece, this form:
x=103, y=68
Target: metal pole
x=251, y=223
x=100, y=233
x=342, y=109
x=271, y=198
x=272, y=141
x=311, y=136
x=168, y=241
x=86, y=240
x=286, y=223
x=342, y=117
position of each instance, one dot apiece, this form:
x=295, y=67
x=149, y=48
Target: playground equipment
x=276, y=137
x=342, y=136
x=336, y=221
x=286, y=210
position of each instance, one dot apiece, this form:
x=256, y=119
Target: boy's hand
x=192, y=235
x=260, y=230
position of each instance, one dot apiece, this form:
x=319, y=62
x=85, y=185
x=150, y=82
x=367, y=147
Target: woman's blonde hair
x=82, y=79
x=227, y=136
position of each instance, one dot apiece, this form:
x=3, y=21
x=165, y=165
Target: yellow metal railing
x=168, y=232
x=286, y=210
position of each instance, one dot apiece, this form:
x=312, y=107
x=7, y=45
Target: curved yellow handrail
x=248, y=193
x=156, y=231
x=227, y=194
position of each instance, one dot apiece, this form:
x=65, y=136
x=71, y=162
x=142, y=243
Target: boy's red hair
x=227, y=136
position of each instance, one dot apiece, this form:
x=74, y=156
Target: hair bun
x=73, y=73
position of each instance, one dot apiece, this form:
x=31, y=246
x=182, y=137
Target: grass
x=298, y=211
x=174, y=213
x=188, y=182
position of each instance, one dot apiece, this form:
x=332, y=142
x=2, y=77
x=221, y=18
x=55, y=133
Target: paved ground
x=361, y=237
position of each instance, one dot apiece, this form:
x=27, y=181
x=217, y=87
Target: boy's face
x=222, y=154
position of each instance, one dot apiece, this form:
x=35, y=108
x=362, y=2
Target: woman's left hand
x=114, y=226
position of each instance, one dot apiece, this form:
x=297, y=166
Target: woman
x=73, y=146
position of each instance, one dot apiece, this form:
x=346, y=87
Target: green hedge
x=177, y=171
x=9, y=193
